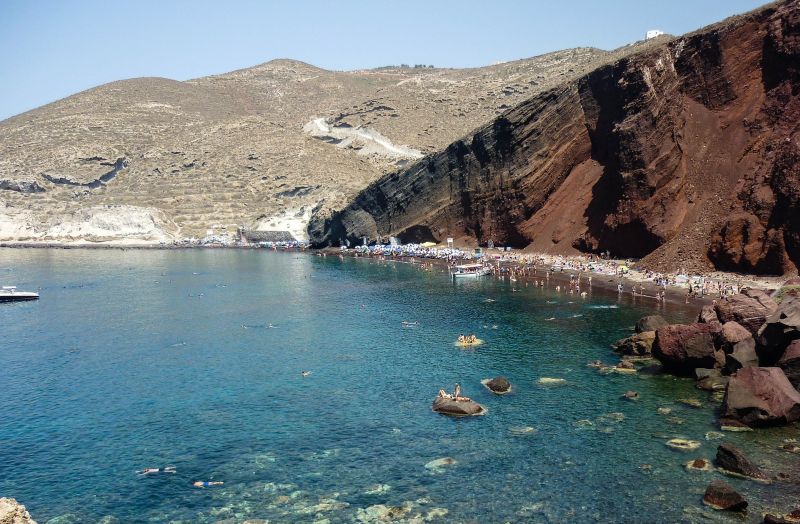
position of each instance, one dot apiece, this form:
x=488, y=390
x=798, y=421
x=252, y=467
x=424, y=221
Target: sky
x=52, y=49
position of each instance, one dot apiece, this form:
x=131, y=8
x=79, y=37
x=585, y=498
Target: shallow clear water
x=142, y=358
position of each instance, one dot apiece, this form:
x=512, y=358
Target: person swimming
x=462, y=339
x=305, y=373
x=207, y=484
x=153, y=471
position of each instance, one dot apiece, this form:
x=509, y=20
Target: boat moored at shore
x=470, y=271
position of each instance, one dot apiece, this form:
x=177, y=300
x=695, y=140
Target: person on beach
x=154, y=471
x=207, y=484
x=445, y=395
x=457, y=391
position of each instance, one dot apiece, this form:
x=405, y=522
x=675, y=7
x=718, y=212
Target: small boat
x=10, y=294
x=470, y=270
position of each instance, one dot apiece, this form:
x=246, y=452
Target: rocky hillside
x=685, y=154
x=155, y=159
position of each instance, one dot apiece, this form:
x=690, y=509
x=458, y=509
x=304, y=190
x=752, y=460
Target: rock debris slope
x=685, y=153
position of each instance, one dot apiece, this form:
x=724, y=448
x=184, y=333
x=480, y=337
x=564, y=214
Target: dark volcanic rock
x=750, y=309
x=732, y=460
x=682, y=348
x=743, y=356
x=460, y=408
x=780, y=329
x=650, y=323
x=760, y=396
x=638, y=345
x=790, y=363
x=587, y=166
x=732, y=333
x=498, y=385
x=720, y=495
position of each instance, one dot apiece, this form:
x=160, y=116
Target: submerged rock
x=733, y=425
x=438, y=465
x=12, y=512
x=760, y=396
x=630, y=395
x=730, y=459
x=548, y=381
x=457, y=408
x=498, y=385
x=683, y=444
x=790, y=518
x=721, y=496
x=699, y=464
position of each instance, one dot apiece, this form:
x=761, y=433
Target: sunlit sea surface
x=147, y=358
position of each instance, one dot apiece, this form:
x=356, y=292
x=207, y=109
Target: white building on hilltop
x=653, y=33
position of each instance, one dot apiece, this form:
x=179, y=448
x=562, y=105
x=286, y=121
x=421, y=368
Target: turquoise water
x=142, y=358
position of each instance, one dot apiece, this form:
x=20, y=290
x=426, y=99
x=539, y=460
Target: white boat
x=470, y=270
x=10, y=294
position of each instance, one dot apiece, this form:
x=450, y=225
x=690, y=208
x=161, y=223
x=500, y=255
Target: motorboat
x=10, y=294
x=470, y=271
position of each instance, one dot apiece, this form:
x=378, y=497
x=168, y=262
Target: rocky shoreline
x=744, y=350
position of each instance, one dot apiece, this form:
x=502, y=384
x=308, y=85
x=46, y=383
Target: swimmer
x=462, y=339
x=305, y=373
x=207, y=484
x=270, y=326
x=153, y=471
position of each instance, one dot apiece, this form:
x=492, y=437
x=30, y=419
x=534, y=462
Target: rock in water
x=498, y=385
x=457, y=408
x=779, y=330
x=638, y=345
x=699, y=464
x=750, y=309
x=12, y=512
x=720, y=495
x=731, y=459
x=682, y=348
x=650, y=323
x=790, y=363
x=760, y=396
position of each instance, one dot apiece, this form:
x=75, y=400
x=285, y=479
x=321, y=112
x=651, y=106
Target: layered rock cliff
x=685, y=154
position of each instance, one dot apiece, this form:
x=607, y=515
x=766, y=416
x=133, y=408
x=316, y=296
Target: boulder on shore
x=457, y=408
x=12, y=512
x=650, y=323
x=779, y=330
x=750, y=308
x=498, y=385
x=760, y=396
x=682, y=348
x=731, y=334
x=707, y=315
x=638, y=345
x=731, y=459
x=790, y=363
x=720, y=495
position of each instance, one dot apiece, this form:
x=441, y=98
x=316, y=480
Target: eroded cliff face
x=685, y=154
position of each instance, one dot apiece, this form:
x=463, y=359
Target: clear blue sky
x=51, y=49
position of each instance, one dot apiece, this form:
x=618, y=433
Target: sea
x=194, y=359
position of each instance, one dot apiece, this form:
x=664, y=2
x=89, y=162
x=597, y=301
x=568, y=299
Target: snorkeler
x=207, y=484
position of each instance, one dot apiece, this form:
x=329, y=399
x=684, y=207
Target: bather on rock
x=456, y=405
